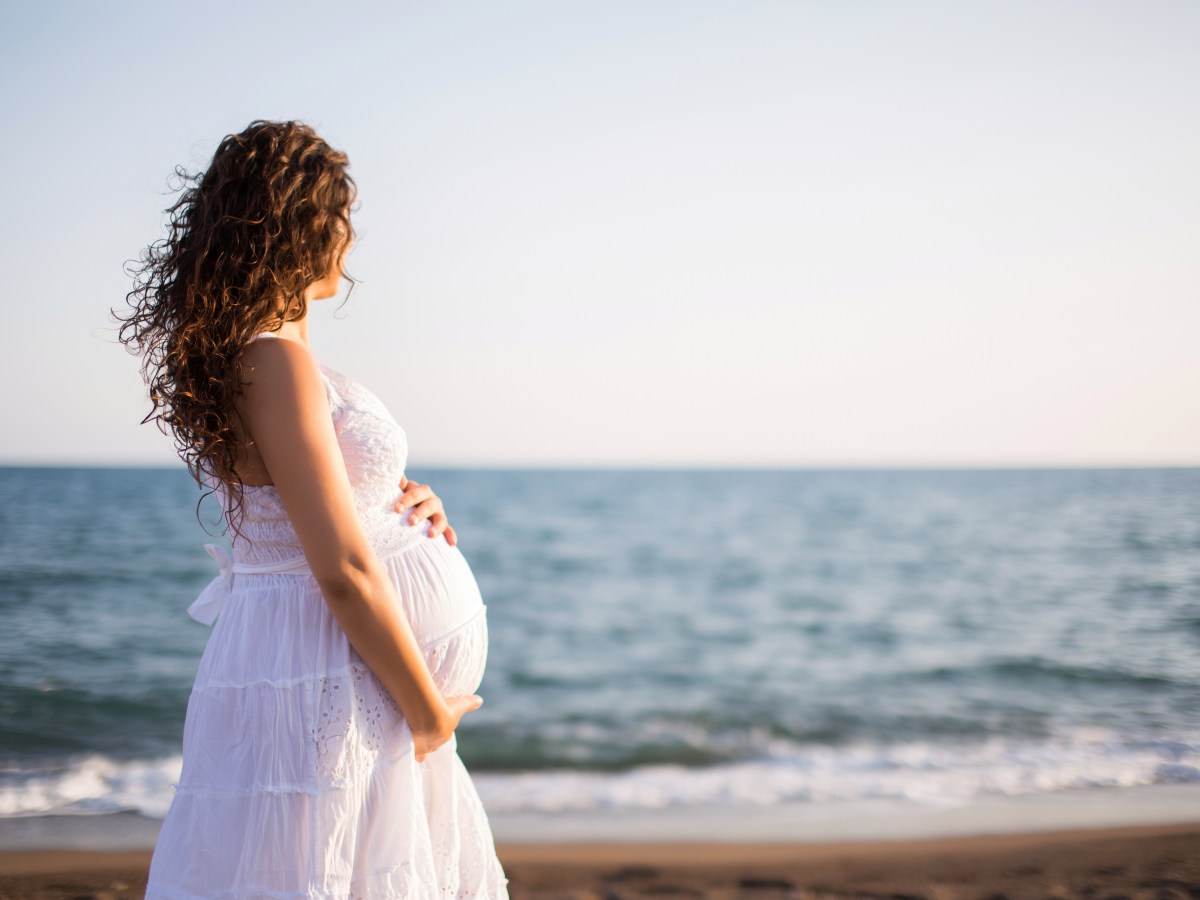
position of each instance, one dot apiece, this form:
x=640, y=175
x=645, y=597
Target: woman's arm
x=286, y=413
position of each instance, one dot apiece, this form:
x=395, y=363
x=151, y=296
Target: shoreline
x=842, y=821
x=1156, y=862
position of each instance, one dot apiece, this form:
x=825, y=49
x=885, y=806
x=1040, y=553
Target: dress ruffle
x=292, y=740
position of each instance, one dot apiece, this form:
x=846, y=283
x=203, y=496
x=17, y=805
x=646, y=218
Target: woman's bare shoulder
x=279, y=359
x=281, y=380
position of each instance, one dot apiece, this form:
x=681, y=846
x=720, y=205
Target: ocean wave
x=90, y=785
x=933, y=773
x=938, y=774
x=1032, y=669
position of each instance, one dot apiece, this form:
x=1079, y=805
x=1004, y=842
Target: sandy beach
x=1144, y=863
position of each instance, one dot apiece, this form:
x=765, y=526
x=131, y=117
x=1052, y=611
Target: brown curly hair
x=246, y=237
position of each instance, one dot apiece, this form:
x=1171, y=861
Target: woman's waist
x=433, y=585
x=387, y=539
x=430, y=576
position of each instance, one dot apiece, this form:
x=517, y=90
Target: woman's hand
x=428, y=739
x=422, y=503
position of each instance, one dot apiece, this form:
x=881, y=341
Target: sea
x=675, y=654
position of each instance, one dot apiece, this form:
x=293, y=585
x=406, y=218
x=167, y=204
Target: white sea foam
x=940, y=775
x=94, y=784
x=934, y=774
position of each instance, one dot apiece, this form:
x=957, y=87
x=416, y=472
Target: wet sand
x=1142, y=863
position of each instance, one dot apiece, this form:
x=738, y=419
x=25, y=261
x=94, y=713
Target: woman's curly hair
x=246, y=237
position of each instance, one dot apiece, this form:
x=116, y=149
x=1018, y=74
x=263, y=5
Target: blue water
x=660, y=639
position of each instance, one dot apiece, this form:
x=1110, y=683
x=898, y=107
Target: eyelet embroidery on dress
x=374, y=711
x=331, y=730
x=357, y=717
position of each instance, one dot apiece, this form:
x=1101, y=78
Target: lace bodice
x=375, y=450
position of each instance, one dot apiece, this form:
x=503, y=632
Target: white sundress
x=299, y=779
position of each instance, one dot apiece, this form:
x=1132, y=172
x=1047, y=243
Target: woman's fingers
x=422, y=503
x=439, y=525
x=414, y=493
x=425, y=510
x=425, y=744
x=460, y=706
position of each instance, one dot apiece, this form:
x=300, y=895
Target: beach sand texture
x=1147, y=863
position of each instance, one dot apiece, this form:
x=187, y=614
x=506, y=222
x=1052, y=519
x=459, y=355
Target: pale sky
x=659, y=232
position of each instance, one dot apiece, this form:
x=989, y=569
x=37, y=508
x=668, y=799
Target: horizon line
x=680, y=466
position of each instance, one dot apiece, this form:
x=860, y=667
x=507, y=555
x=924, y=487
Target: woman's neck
x=295, y=330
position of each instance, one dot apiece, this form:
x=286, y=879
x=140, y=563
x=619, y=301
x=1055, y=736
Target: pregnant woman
x=319, y=757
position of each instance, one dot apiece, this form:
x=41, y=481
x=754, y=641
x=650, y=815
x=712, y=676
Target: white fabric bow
x=207, y=606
